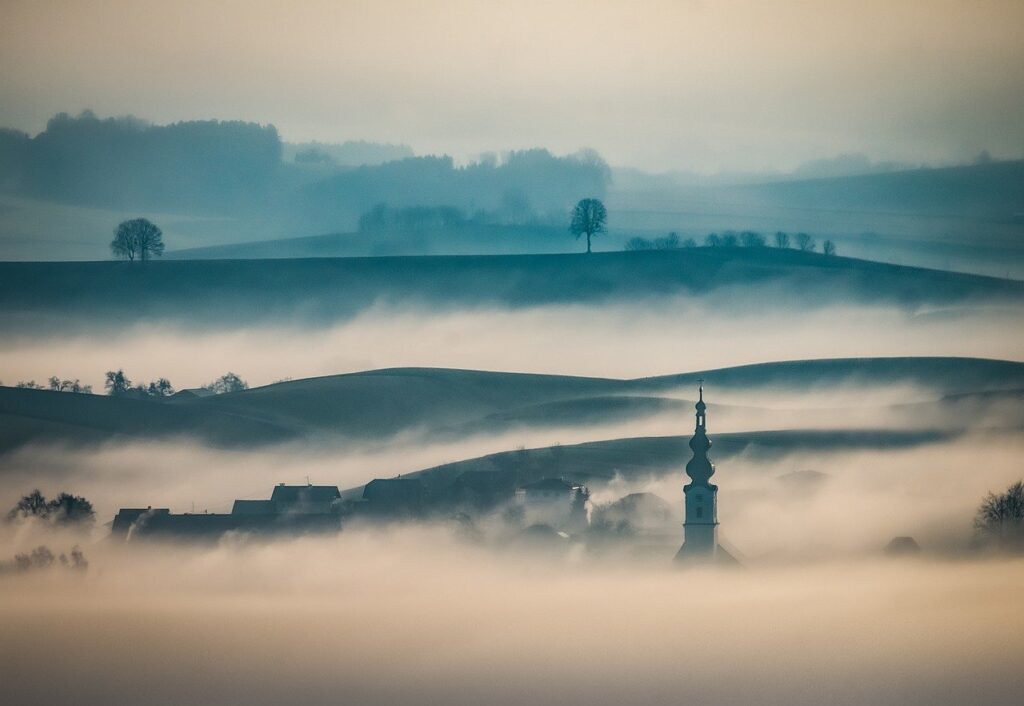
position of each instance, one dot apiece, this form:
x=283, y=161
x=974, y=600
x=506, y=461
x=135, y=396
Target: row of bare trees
x=118, y=383
x=57, y=385
x=730, y=239
x=65, y=510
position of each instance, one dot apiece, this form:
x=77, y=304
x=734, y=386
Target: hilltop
x=637, y=458
x=968, y=218
x=449, y=404
x=218, y=292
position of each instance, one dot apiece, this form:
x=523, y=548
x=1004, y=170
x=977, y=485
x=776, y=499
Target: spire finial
x=701, y=381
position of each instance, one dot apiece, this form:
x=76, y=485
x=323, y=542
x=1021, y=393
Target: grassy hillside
x=992, y=191
x=378, y=405
x=967, y=218
x=598, y=462
x=42, y=416
x=478, y=239
x=219, y=292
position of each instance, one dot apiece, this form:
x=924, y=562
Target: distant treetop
x=589, y=217
x=137, y=239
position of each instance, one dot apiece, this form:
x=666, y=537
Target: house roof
x=392, y=487
x=302, y=494
x=253, y=507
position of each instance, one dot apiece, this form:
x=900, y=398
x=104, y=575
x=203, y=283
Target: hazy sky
x=663, y=85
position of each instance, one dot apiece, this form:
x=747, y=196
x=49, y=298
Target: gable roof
x=304, y=494
x=254, y=507
x=391, y=487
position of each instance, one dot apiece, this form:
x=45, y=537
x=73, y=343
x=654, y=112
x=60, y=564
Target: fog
x=416, y=613
x=621, y=341
x=503, y=115
x=412, y=616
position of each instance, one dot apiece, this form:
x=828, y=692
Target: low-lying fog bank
x=411, y=616
x=646, y=338
x=854, y=503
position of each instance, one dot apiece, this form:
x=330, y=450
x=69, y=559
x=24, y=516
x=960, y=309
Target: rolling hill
x=225, y=293
x=598, y=462
x=442, y=403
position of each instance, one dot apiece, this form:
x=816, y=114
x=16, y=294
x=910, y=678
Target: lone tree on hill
x=589, y=217
x=828, y=247
x=138, y=238
x=781, y=240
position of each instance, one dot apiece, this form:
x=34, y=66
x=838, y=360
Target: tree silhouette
x=31, y=505
x=64, y=510
x=117, y=383
x=828, y=247
x=58, y=385
x=228, y=382
x=137, y=238
x=750, y=239
x=805, y=242
x=781, y=240
x=161, y=387
x=669, y=242
x=68, y=509
x=1000, y=518
x=589, y=217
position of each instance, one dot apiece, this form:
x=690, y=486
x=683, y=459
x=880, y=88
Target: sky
x=682, y=85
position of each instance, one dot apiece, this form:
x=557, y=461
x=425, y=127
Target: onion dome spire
x=699, y=468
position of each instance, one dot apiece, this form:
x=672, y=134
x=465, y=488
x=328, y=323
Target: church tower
x=700, y=530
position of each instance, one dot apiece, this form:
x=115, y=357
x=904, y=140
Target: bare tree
x=31, y=505
x=750, y=239
x=161, y=387
x=828, y=247
x=669, y=242
x=589, y=217
x=117, y=383
x=228, y=382
x=1000, y=518
x=58, y=385
x=782, y=240
x=64, y=510
x=67, y=509
x=713, y=240
x=805, y=242
x=639, y=243
x=137, y=238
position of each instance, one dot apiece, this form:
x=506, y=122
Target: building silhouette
x=291, y=509
x=700, y=529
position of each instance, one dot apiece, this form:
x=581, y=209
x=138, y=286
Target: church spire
x=699, y=468
x=700, y=530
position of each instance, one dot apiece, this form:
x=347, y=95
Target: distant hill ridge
x=217, y=292
x=379, y=404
